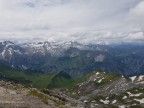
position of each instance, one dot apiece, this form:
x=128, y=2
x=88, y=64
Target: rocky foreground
x=95, y=90
x=16, y=96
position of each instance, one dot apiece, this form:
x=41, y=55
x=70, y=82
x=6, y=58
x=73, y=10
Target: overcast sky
x=65, y=20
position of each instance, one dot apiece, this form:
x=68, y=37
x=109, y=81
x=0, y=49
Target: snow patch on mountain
x=140, y=100
x=133, y=78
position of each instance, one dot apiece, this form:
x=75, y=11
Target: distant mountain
x=74, y=58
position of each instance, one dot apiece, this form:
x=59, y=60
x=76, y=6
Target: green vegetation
x=43, y=80
x=60, y=80
x=110, y=106
x=107, y=78
x=37, y=80
x=40, y=95
x=73, y=59
x=45, y=98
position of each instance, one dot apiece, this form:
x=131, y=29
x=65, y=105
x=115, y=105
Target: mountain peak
x=72, y=43
x=47, y=43
x=8, y=43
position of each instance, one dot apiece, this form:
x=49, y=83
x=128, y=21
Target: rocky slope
x=12, y=96
x=94, y=90
x=16, y=96
x=99, y=90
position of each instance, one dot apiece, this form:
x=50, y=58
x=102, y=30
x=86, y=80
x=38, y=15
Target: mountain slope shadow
x=62, y=79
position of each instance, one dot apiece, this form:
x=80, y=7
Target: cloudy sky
x=65, y=20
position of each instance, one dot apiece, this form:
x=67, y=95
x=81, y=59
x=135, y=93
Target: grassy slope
x=38, y=80
x=41, y=80
x=61, y=80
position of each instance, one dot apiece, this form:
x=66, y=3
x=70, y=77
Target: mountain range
x=71, y=75
x=74, y=58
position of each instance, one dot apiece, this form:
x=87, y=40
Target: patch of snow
x=141, y=78
x=79, y=91
x=124, y=97
x=37, y=45
x=100, y=81
x=24, y=67
x=10, y=51
x=134, y=95
x=3, y=43
x=97, y=73
x=140, y=100
x=99, y=58
x=133, y=78
x=122, y=106
x=9, y=44
x=92, y=106
x=96, y=104
x=80, y=85
x=73, y=93
x=3, y=53
x=85, y=101
x=138, y=94
x=17, y=51
x=93, y=101
x=113, y=102
x=129, y=93
x=105, y=101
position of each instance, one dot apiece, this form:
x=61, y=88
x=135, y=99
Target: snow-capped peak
x=7, y=43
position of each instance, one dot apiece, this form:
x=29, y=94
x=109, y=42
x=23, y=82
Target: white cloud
x=136, y=15
x=135, y=36
x=64, y=20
